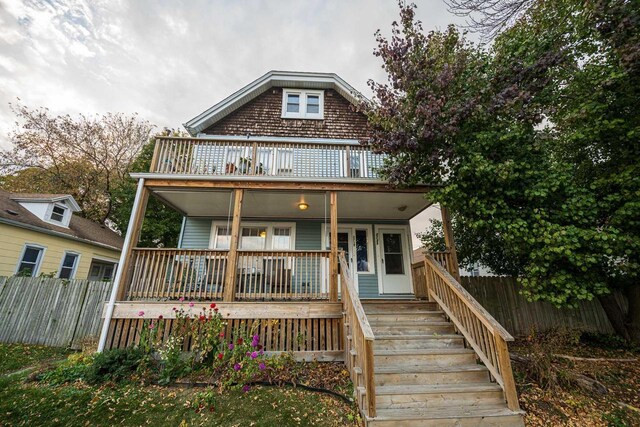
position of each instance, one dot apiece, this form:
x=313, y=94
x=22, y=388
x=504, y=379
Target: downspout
x=116, y=281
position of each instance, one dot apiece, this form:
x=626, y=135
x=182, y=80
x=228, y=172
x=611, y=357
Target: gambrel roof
x=288, y=79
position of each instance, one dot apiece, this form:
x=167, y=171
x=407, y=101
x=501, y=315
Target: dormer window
x=57, y=213
x=303, y=104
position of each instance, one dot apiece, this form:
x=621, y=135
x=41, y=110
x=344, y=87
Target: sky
x=170, y=60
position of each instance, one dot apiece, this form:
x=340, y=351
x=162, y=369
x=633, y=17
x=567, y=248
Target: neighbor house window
x=57, y=213
x=30, y=261
x=68, y=266
x=303, y=104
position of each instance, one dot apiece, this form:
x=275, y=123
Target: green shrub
x=73, y=369
x=114, y=365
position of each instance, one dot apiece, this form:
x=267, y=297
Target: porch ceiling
x=284, y=204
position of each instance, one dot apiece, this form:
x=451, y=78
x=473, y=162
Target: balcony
x=265, y=158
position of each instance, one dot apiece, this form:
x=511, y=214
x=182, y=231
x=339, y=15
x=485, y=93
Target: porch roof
x=284, y=204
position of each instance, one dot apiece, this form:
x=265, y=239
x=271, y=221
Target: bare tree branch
x=491, y=17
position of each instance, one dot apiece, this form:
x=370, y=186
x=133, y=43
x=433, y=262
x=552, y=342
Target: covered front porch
x=277, y=244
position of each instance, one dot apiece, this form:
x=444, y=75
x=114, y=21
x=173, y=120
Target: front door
x=395, y=274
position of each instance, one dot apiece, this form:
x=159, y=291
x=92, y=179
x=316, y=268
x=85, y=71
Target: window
x=302, y=104
x=30, y=262
x=68, y=266
x=281, y=238
x=362, y=251
x=253, y=238
x=101, y=270
x=57, y=213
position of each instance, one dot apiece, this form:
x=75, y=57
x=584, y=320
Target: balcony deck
x=234, y=157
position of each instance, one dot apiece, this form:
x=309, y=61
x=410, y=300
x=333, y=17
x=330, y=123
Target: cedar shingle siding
x=262, y=117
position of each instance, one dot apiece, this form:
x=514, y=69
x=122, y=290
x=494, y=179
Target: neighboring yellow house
x=40, y=235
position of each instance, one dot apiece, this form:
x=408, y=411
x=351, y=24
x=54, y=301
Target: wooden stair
x=424, y=375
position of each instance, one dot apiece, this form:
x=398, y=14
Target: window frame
x=371, y=255
x=74, y=269
x=303, y=113
x=269, y=226
x=38, y=264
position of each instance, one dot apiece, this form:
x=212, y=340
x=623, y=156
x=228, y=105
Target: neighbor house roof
x=42, y=197
x=81, y=229
x=289, y=79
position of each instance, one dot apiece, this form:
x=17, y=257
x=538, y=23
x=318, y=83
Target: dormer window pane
x=57, y=213
x=293, y=103
x=313, y=104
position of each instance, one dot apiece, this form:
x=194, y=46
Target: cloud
x=170, y=60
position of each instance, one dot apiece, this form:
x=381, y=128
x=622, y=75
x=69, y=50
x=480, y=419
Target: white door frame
x=380, y=253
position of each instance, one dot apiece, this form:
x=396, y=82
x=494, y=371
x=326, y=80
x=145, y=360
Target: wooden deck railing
x=176, y=273
x=481, y=331
x=359, y=342
x=203, y=156
x=200, y=274
x=283, y=275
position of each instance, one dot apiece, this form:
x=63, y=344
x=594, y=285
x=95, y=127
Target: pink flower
x=141, y=313
x=152, y=325
x=181, y=299
x=246, y=388
x=237, y=367
x=191, y=304
x=254, y=355
x=262, y=366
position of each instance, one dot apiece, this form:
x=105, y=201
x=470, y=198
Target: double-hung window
x=30, y=262
x=57, y=213
x=302, y=104
x=69, y=265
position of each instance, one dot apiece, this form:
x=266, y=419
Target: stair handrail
x=362, y=340
x=481, y=330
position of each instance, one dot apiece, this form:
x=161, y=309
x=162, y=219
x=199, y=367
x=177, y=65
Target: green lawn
x=25, y=402
x=14, y=357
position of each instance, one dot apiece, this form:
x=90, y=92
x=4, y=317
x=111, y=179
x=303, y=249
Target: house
x=289, y=227
x=41, y=235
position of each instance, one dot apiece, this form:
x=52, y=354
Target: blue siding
x=196, y=233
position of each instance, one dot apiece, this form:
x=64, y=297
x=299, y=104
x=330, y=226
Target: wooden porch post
x=450, y=243
x=333, y=260
x=232, y=261
x=133, y=230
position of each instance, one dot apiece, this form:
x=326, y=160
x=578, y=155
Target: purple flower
x=261, y=352
x=237, y=367
x=254, y=355
x=262, y=366
x=230, y=346
x=246, y=388
x=141, y=313
x=256, y=337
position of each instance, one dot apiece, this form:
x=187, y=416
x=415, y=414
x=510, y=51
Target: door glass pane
x=393, y=257
x=281, y=238
x=362, y=252
x=253, y=238
x=343, y=244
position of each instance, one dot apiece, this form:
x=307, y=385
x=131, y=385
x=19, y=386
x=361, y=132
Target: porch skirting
x=311, y=330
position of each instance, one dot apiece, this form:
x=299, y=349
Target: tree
x=85, y=156
x=161, y=225
x=533, y=144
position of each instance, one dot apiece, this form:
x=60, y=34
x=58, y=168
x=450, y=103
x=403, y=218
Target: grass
x=26, y=402
x=14, y=357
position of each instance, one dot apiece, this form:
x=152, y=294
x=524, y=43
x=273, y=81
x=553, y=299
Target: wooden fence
x=500, y=296
x=46, y=311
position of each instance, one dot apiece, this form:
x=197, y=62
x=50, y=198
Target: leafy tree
x=533, y=144
x=85, y=156
x=161, y=225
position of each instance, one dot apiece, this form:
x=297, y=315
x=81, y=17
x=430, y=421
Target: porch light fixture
x=263, y=234
x=303, y=206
